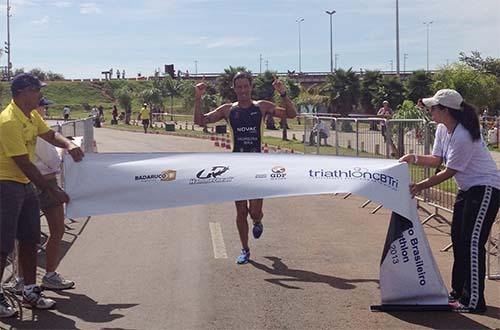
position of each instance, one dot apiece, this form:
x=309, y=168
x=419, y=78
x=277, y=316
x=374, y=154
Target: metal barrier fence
x=81, y=127
x=381, y=138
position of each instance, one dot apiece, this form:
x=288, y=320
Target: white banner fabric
x=110, y=183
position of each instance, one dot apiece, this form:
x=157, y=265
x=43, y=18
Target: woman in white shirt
x=48, y=162
x=459, y=145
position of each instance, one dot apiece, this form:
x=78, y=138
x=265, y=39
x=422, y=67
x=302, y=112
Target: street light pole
x=427, y=24
x=397, y=38
x=331, y=39
x=300, y=59
x=7, y=44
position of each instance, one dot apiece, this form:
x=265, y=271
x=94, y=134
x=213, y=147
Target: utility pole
x=7, y=43
x=260, y=63
x=300, y=58
x=331, y=38
x=405, y=57
x=267, y=65
x=397, y=38
x=427, y=24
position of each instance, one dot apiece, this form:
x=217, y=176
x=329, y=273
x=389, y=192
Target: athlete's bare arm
x=268, y=107
x=214, y=116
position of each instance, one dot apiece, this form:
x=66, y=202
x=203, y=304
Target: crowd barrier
x=392, y=138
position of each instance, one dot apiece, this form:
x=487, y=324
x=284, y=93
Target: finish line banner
x=111, y=183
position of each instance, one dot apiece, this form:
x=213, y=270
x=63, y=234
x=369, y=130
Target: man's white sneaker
x=56, y=282
x=6, y=310
x=35, y=299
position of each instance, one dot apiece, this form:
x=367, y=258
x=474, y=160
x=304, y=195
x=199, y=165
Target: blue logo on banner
x=356, y=173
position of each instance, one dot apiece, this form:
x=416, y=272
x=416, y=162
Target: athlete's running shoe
x=258, y=229
x=243, y=257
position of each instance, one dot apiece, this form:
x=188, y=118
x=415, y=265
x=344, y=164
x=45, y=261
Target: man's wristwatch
x=283, y=94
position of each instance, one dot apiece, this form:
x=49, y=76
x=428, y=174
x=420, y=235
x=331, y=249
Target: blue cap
x=25, y=80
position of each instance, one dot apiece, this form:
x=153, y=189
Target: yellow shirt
x=144, y=113
x=18, y=135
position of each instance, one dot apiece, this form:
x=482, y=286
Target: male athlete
x=245, y=118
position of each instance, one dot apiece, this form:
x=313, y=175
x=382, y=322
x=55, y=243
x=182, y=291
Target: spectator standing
x=66, y=112
x=48, y=162
x=114, y=114
x=20, y=125
x=386, y=113
x=321, y=130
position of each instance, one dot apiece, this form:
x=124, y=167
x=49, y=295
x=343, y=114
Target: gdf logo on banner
x=277, y=173
x=212, y=175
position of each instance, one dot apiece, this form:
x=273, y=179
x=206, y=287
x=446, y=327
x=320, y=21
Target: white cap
x=449, y=98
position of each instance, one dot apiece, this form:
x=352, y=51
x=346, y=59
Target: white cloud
x=90, y=8
x=225, y=42
x=62, y=4
x=42, y=21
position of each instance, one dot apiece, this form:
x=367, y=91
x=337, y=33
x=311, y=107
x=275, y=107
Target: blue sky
x=82, y=38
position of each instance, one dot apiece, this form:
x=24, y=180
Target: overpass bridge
x=304, y=78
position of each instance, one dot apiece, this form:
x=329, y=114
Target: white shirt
x=471, y=159
x=322, y=128
x=47, y=159
x=66, y=110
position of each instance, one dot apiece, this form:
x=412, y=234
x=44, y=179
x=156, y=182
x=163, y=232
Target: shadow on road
x=445, y=320
x=298, y=275
x=71, y=305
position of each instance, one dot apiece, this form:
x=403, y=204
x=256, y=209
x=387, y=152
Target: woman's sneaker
x=453, y=296
x=243, y=257
x=6, y=310
x=35, y=299
x=458, y=307
x=56, y=282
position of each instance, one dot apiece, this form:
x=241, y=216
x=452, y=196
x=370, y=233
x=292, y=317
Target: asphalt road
x=315, y=267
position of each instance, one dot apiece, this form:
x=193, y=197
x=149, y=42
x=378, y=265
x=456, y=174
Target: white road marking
x=217, y=241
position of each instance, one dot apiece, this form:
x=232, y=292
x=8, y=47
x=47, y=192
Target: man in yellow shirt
x=144, y=116
x=20, y=124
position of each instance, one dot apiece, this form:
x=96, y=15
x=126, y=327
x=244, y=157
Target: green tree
x=151, y=96
x=488, y=65
x=263, y=86
x=418, y=85
x=225, y=81
x=293, y=88
x=17, y=71
x=39, y=73
x=369, y=87
x=124, y=97
x=390, y=89
x=342, y=89
x=480, y=89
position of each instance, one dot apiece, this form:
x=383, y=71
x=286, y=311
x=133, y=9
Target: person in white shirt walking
x=66, y=112
x=461, y=148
